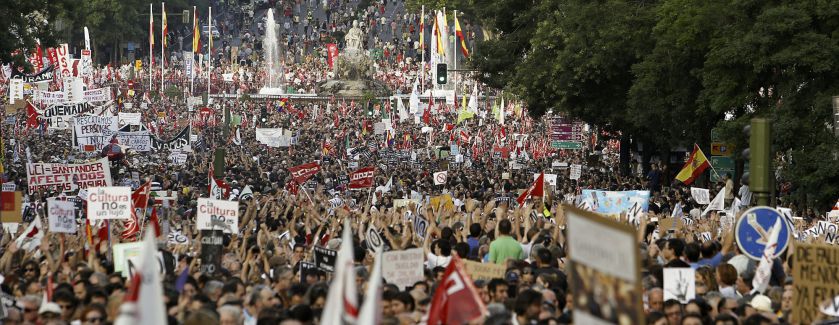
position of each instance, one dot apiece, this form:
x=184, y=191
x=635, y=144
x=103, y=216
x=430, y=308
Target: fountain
x=353, y=70
x=271, y=50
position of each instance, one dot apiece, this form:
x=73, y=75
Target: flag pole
x=162, y=43
x=209, y=52
x=422, y=49
x=151, y=46
x=192, y=71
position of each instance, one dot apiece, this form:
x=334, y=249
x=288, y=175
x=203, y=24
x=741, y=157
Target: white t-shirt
x=433, y=261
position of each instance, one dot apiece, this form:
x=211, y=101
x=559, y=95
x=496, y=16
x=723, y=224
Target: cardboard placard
x=403, y=268
x=606, y=271
x=814, y=270
x=484, y=271
x=11, y=208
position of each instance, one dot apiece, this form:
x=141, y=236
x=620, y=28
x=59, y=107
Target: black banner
x=44, y=75
x=325, y=259
x=178, y=142
x=212, y=242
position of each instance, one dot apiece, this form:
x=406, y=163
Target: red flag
x=302, y=173
x=31, y=116
x=362, y=178
x=456, y=301
x=332, y=53
x=140, y=200
x=536, y=190
x=155, y=222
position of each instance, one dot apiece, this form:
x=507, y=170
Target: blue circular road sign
x=754, y=227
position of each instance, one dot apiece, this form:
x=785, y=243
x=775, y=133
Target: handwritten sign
x=62, y=216
x=814, y=270
x=484, y=271
x=109, y=203
x=68, y=177
x=218, y=214
x=403, y=268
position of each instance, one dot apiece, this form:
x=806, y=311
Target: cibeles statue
x=355, y=38
x=354, y=69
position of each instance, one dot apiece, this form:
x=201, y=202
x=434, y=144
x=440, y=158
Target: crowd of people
x=265, y=275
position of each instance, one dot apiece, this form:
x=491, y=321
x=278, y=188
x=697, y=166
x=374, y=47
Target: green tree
x=24, y=22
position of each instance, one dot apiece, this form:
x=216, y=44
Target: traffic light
x=185, y=16
x=759, y=155
x=442, y=74
x=264, y=115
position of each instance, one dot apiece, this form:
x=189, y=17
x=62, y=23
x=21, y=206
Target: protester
x=280, y=259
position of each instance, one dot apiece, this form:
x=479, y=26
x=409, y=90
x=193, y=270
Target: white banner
x=15, y=90
x=188, y=63
x=109, y=203
x=403, y=268
x=550, y=179
x=140, y=141
x=68, y=177
x=218, y=214
x=48, y=97
x=74, y=89
x=58, y=116
x=92, y=133
x=98, y=95
x=273, y=137
x=129, y=118
x=62, y=216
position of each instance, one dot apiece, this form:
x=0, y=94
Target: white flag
x=32, y=236
x=371, y=311
x=151, y=308
x=400, y=107
x=414, y=101
x=247, y=193
x=473, y=99
x=342, y=301
x=735, y=207
x=717, y=204
x=764, y=269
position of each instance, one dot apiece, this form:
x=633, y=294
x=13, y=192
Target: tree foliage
x=24, y=22
x=667, y=72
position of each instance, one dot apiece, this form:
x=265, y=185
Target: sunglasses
x=29, y=269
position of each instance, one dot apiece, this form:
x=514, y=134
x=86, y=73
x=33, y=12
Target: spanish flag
x=196, y=34
x=696, y=164
x=439, y=22
x=165, y=29
x=459, y=33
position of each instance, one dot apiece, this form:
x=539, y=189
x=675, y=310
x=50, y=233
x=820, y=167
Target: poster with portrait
x=604, y=275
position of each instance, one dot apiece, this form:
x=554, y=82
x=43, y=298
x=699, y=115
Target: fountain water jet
x=271, y=50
